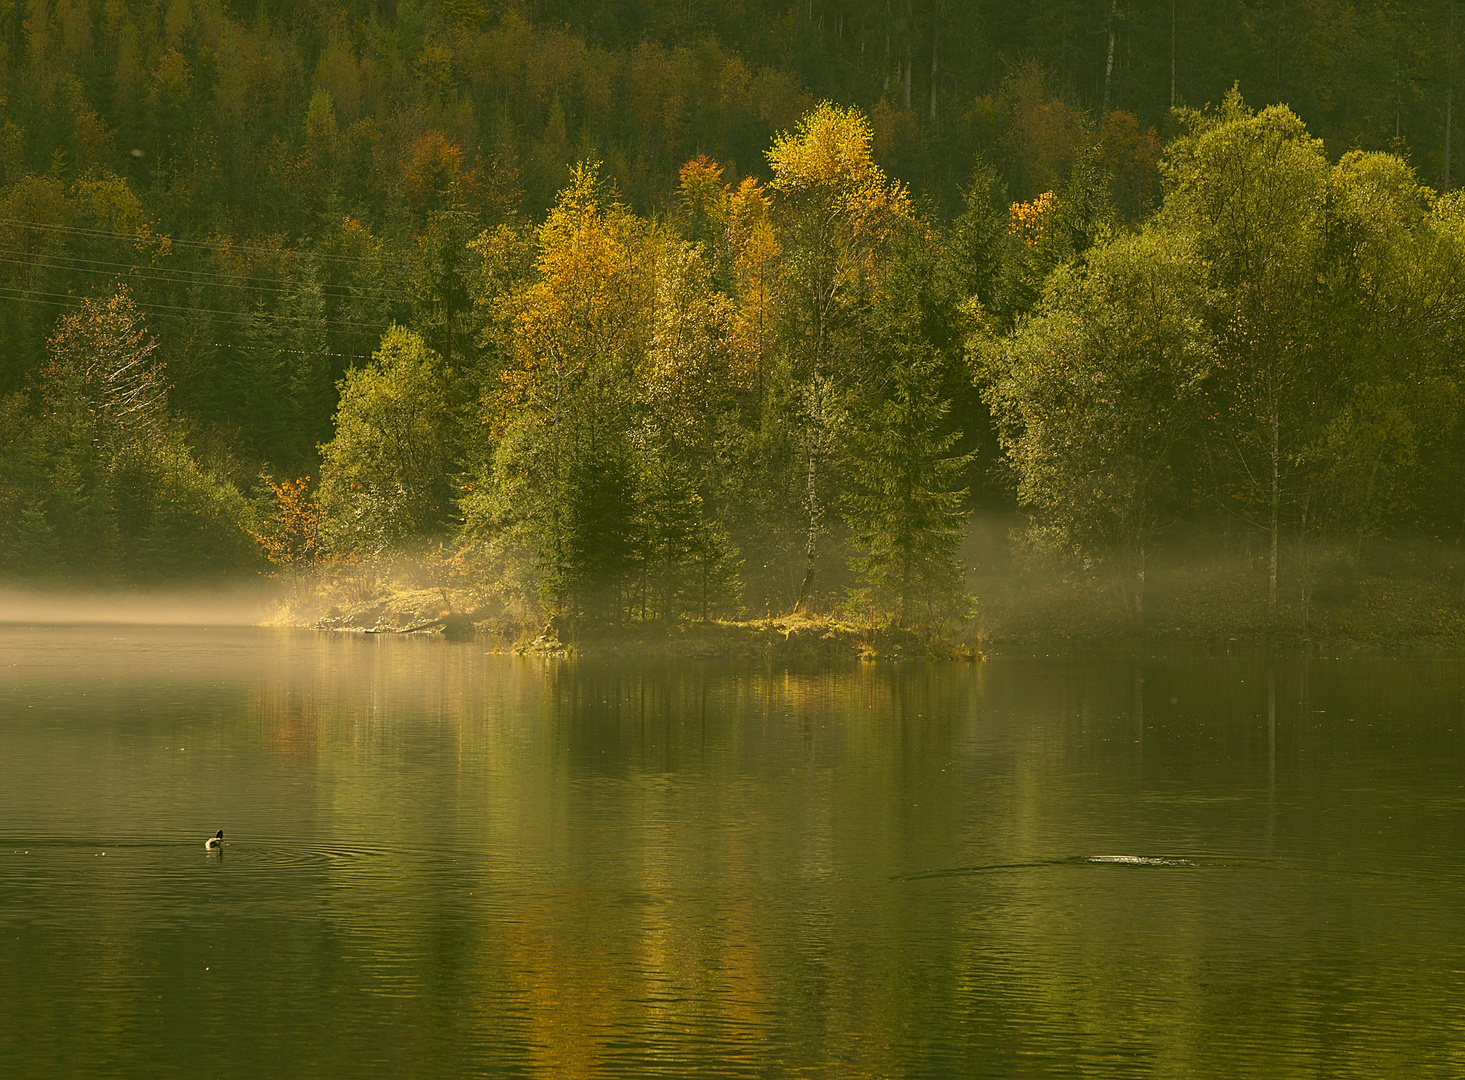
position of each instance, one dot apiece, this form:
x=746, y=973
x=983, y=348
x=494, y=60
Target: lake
x=440, y=862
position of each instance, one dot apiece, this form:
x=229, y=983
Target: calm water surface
x=441, y=863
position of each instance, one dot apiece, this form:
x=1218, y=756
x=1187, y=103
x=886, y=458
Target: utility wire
x=204, y=245
x=68, y=300
x=141, y=273
x=166, y=315
x=203, y=277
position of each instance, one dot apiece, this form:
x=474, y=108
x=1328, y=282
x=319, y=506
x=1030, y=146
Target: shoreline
x=1361, y=614
x=789, y=637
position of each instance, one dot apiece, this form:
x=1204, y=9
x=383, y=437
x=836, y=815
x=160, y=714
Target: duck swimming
x=215, y=843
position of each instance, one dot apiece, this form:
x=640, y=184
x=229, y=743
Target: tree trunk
x=1449, y=91
x=1109, y=63
x=811, y=545
x=1172, y=54
x=1276, y=495
x=1306, y=559
x=935, y=28
x=559, y=383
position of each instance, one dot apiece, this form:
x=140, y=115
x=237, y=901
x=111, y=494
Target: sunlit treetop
x=701, y=192
x=589, y=280
x=1222, y=146
x=1027, y=218
x=828, y=156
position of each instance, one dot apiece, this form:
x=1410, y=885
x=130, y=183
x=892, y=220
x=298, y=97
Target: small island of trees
x=650, y=375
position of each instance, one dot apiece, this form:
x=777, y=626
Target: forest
x=612, y=312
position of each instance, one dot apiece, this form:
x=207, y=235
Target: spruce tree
x=908, y=514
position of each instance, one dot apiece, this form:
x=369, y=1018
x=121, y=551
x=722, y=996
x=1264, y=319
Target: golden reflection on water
x=441, y=861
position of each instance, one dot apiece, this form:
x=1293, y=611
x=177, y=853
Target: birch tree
x=1252, y=189
x=1095, y=393
x=836, y=209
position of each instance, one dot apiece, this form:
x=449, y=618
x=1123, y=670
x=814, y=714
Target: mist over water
x=248, y=605
x=442, y=862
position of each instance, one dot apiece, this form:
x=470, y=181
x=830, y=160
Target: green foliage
x=645, y=369
x=688, y=563
x=1049, y=233
x=615, y=357
x=978, y=242
x=95, y=479
x=387, y=475
x=1094, y=395
x=835, y=209
x=907, y=508
x=193, y=524
x=593, y=566
x=623, y=533
x=1312, y=267
x=442, y=287
x=1274, y=346
x=508, y=516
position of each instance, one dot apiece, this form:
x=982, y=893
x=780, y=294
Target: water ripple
x=1164, y=861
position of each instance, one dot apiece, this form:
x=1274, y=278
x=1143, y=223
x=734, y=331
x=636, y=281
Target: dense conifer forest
x=658, y=310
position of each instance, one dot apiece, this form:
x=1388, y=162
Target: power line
x=68, y=300
x=203, y=245
x=138, y=272
x=216, y=344
x=215, y=275
x=292, y=352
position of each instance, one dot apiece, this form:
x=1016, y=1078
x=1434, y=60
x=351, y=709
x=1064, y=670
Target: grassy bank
x=402, y=600
x=787, y=637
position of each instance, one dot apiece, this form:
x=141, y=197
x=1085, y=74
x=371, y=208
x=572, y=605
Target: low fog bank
x=1367, y=592
x=232, y=607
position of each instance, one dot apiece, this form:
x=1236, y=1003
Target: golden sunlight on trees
x=386, y=476
x=575, y=331
x=606, y=421
x=103, y=364
x=835, y=209
x=1029, y=218
x=755, y=257
x=736, y=366
x=291, y=538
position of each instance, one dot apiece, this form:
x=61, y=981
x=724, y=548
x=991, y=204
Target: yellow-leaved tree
x=553, y=517
x=835, y=210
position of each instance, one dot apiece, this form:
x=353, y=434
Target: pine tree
x=908, y=516
x=599, y=554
